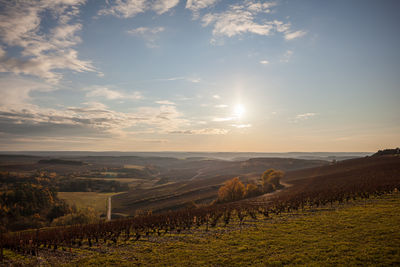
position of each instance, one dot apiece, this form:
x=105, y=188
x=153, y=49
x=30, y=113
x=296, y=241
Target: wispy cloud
x=240, y=126
x=302, y=117
x=222, y=119
x=260, y=7
x=182, y=78
x=216, y=96
x=107, y=93
x=221, y=106
x=285, y=28
x=42, y=52
x=125, y=9
x=243, y=18
x=196, y=5
x=238, y=19
x=95, y=105
x=305, y=116
x=150, y=35
x=206, y=131
x=287, y=56
x=162, y=6
x=294, y=35
x=165, y=102
x=130, y=8
x=145, y=30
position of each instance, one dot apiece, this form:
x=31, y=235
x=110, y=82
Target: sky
x=199, y=75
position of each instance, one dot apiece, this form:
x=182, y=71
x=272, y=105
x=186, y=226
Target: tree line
x=234, y=189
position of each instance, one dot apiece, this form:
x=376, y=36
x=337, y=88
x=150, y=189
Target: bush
x=271, y=180
x=232, y=190
x=252, y=190
x=58, y=211
x=83, y=216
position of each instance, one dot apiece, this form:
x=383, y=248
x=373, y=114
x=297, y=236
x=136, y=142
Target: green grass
x=354, y=235
x=86, y=199
x=138, y=167
x=121, y=180
x=364, y=233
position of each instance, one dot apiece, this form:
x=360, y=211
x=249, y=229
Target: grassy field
x=87, y=199
x=363, y=233
x=355, y=235
x=138, y=167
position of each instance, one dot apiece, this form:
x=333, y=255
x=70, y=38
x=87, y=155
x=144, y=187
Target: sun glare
x=239, y=110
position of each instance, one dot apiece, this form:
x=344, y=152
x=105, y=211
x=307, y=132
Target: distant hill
x=199, y=181
x=340, y=168
x=237, y=156
x=61, y=162
x=395, y=151
x=302, y=174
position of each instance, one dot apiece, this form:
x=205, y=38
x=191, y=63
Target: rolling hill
x=199, y=181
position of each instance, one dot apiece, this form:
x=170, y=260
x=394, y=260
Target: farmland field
x=344, y=213
x=82, y=200
x=131, y=166
x=132, y=182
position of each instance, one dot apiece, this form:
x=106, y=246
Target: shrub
x=271, y=179
x=232, y=190
x=84, y=216
x=252, y=190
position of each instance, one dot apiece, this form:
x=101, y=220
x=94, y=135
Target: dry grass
x=82, y=200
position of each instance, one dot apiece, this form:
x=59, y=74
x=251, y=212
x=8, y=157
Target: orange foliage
x=252, y=190
x=232, y=190
x=271, y=179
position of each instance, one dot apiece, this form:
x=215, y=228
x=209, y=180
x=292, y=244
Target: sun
x=239, y=111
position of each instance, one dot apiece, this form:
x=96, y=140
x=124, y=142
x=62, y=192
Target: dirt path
x=199, y=172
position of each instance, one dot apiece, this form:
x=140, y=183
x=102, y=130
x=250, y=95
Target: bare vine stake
x=1, y=246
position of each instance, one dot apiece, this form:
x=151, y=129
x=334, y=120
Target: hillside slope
x=347, y=215
x=360, y=233
x=340, y=167
x=202, y=185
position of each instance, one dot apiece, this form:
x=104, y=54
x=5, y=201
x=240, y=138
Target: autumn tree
x=232, y=190
x=271, y=179
x=252, y=190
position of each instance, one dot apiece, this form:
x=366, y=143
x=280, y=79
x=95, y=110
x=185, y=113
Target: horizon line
x=180, y=151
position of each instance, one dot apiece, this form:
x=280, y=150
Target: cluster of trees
x=61, y=162
x=26, y=205
x=83, y=216
x=30, y=201
x=395, y=151
x=63, y=183
x=234, y=189
x=271, y=180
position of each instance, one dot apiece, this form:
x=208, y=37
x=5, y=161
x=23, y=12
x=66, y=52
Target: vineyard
x=306, y=194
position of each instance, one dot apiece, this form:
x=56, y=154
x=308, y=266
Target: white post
x=109, y=209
